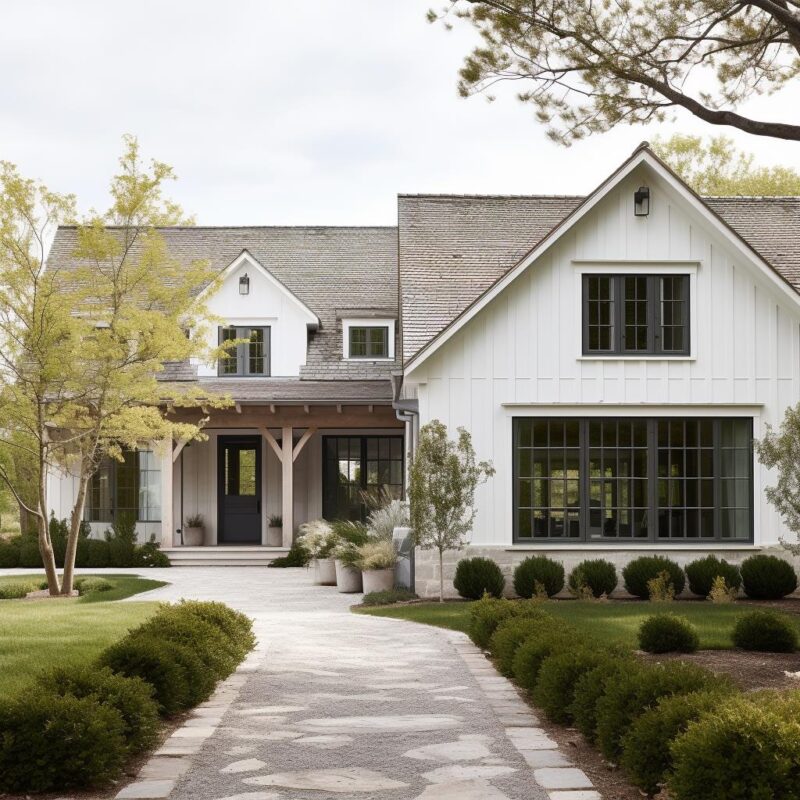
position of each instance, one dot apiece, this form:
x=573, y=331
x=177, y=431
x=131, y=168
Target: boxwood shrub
x=765, y=631
x=9, y=555
x=50, y=742
x=488, y=612
x=388, y=597
x=631, y=693
x=511, y=633
x=668, y=633
x=646, y=756
x=536, y=571
x=598, y=575
x=533, y=651
x=643, y=569
x=590, y=687
x=478, y=576
x=747, y=748
x=98, y=553
x=768, y=577
x=701, y=574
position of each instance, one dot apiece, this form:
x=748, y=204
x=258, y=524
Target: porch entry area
x=239, y=490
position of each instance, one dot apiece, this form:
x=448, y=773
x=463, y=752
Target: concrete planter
x=193, y=537
x=378, y=580
x=324, y=572
x=348, y=579
x=274, y=537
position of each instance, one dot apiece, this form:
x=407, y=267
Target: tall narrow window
x=128, y=488
x=250, y=356
x=627, y=315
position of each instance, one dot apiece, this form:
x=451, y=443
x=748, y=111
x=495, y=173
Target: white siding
x=524, y=348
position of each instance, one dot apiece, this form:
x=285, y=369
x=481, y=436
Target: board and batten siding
x=521, y=354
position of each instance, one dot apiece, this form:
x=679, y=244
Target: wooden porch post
x=287, y=485
x=167, y=522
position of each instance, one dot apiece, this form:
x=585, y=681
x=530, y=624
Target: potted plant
x=318, y=539
x=350, y=536
x=194, y=531
x=377, y=559
x=275, y=531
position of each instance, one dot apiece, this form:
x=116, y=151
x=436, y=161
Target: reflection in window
x=240, y=471
x=130, y=488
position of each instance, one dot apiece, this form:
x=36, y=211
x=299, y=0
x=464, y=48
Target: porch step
x=223, y=555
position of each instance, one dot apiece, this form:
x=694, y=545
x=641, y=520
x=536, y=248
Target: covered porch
x=295, y=462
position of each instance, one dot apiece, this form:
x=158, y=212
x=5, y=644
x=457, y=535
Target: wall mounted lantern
x=641, y=201
x=244, y=284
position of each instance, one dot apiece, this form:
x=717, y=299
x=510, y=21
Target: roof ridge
x=252, y=227
x=443, y=195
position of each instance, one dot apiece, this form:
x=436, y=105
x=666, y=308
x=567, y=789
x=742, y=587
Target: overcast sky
x=275, y=112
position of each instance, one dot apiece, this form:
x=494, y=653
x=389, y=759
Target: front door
x=239, y=494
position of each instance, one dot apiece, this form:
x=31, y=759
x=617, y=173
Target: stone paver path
x=339, y=705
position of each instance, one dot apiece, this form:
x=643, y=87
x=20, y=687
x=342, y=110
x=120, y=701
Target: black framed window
x=128, y=488
x=354, y=464
x=633, y=479
x=636, y=315
x=251, y=356
x=368, y=341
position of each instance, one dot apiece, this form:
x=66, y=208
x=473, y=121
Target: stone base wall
x=427, y=562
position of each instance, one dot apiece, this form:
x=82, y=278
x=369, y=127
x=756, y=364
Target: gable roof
x=325, y=268
x=503, y=234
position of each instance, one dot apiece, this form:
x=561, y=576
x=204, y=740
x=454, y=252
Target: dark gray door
x=239, y=493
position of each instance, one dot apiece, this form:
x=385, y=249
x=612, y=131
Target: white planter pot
x=193, y=537
x=348, y=580
x=378, y=580
x=324, y=572
x=274, y=537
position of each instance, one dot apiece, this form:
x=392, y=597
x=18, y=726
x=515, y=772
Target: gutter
x=407, y=411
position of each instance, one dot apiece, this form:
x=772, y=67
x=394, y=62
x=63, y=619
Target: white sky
x=284, y=112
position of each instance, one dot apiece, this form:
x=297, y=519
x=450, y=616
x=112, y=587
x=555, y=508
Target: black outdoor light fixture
x=641, y=201
x=244, y=284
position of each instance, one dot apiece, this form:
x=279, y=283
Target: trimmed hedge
x=531, y=654
x=638, y=572
x=701, y=574
x=488, y=612
x=646, y=756
x=768, y=577
x=590, y=687
x=537, y=571
x=598, y=575
x=9, y=555
x=747, y=749
x=668, y=633
x=478, y=576
x=766, y=632
x=511, y=633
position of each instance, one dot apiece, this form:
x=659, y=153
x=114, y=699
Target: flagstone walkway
x=335, y=704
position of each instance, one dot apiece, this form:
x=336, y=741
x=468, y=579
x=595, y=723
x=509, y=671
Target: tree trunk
x=441, y=578
x=48, y=556
x=72, y=538
x=25, y=520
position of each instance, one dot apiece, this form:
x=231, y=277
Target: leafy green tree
x=441, y=489
x=718, y=168
x=83, y=347
x=587, y=66
x=779, y=450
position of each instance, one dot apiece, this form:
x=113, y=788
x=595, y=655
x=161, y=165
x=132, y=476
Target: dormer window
x=251, y=356
x=368, y=339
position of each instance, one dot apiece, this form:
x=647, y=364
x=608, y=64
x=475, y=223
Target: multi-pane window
x=250, y=356
x=128, y=488
x=355, y=464
x=636, y=315
x=368, y=341
x=633, y=479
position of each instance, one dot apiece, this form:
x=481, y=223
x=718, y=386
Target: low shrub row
x=673, y=723
x=78, y=726
x=119, y=548
x=762, y=577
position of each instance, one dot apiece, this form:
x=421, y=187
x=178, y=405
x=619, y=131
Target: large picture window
x=354, y=464
x=630, y=315
x=633, y=479
x=128, y=488
x=250, y=357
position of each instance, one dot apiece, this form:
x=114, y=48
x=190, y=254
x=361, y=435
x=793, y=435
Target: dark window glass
x=633, y=479
x=128, y=488
x=636, y=314
x=228, y=364
x=250, y=356
x=355, y=464
x=369, y=341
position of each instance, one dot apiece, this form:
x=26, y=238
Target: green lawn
x=35, y=635
x=614, y=622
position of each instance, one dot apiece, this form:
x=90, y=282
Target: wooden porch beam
x=272, y=441
x=178, y=449
x=302, y=443
x=287, y=488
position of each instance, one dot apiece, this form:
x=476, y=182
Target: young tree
x=87, y=342
x=718, y=168
x=780, y=450
x=587, y=66
x=441, y=489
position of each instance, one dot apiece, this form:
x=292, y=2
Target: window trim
x=652, y=539
x=368, y=322
x=241, y=354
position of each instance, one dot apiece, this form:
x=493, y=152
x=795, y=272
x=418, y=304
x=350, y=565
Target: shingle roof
x=287, y=390
x=326, y=267
x=452, y=248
